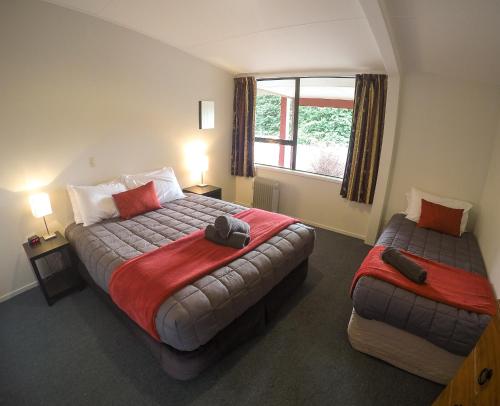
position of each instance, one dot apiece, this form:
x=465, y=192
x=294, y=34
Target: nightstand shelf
x=60, y=283
x=208, y=191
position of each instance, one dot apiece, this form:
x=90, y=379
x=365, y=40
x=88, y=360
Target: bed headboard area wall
x=446, y=129
x=448, y=143
x=83, y=101
x=488, y=222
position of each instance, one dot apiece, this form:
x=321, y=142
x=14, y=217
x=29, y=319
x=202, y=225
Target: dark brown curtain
x=245, y=92
x=360, y=176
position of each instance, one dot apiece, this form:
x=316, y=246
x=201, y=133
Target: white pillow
x=96, y=203
x=407, y=196
x=166, y=185
x=74, y=204
x=415, y=206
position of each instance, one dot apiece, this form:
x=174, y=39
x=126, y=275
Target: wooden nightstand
x=60, y=283
x=209, y=191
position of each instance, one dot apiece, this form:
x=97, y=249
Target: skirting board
x=334, y=229
x=18, y=291
x=319, y=225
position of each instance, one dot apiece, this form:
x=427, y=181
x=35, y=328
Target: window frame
x=295, y=128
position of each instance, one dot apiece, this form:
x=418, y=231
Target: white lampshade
x=204, y=163
x=199, y=163
x=40, y=204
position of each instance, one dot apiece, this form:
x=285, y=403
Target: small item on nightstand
x=34, y=240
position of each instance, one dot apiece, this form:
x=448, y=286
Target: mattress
x=402, y=349
x=452, y=329
x=196, y=313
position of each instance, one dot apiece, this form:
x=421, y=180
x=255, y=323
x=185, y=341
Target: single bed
x=201, y=321
x=427, y=338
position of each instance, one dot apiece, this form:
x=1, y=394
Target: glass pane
x=274, y=109
x=273, y=154
x=324, y=128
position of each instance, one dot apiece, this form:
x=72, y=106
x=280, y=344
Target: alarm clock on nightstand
x=34, y=240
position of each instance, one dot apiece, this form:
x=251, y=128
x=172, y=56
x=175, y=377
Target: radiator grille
x=266, y=194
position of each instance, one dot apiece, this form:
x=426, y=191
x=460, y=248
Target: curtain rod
x=312, y=74
x=305, y=77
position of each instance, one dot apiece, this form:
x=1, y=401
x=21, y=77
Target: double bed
x=427, y=338
x=205, y=319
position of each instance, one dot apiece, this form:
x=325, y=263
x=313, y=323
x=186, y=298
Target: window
x=304, y=124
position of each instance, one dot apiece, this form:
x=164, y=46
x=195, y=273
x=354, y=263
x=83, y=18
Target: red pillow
x=137, y=201
x=440, y=218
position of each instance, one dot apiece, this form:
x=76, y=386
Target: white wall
x=448, y=143
x=312, y=199
x=444, y=138
x=74, y=87
x=488, y=222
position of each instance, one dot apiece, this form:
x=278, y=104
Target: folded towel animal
x=406, y=266
x=235, y=240
x=225, y=225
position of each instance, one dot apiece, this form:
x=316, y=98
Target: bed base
x=185, y=365
x=402, y=349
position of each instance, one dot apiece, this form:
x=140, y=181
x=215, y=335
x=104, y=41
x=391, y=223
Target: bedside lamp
x=40, y=207
x=203, y=167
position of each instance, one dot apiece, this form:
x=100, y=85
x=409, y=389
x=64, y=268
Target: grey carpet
x=78, y=352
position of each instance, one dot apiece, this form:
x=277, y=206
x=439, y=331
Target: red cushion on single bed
x=440, y=218
x=137, y=201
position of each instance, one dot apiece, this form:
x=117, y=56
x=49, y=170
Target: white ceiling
x=252, y=36
x=457, y=38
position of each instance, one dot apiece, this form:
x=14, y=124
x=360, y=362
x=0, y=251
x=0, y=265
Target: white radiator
x=266, y=194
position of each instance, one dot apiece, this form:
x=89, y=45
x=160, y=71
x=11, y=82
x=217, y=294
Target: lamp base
x=49, y=236
x=202, y=185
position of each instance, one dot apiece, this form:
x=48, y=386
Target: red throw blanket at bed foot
x=444, y=284
x=140, y=285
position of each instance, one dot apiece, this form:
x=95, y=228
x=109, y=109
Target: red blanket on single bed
x=140, y=285
x=444, y=284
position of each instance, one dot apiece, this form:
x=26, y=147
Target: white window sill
x=315, y=176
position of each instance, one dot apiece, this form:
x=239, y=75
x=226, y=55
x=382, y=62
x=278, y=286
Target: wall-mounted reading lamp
x=206, y=114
